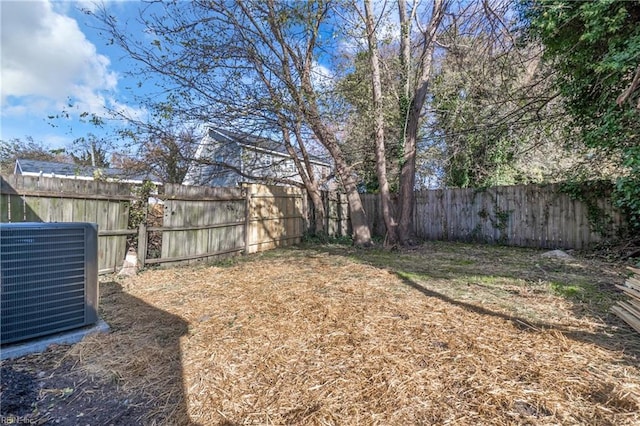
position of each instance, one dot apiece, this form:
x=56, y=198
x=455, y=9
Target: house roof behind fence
x=259, y=143
x=50, y=168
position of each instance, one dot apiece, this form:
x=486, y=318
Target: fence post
x=325, y=203
x=306, y=213
x=341, y=231
x=142, y=244
x=247, y=218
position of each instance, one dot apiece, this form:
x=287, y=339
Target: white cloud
x=322, y=77
x=46, y=60
x=128, y=112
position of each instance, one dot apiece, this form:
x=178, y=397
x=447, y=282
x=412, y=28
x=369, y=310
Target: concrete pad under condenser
x=16, y=350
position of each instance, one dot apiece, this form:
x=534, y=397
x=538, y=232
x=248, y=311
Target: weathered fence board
x=40, y=199
x=276, y=217
x=522, y=215
x=200, y=223
x=337, y=222
x=371, y=204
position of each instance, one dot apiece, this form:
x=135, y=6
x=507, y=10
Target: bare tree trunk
x=405, y=50
x=313, y=187
x=306, y=100
x=635, y=85
x=407, y=183
x=305, y=171
x=406, y=231
x=304, y=167
x=319, y=217
x=359, y=223
x=378, y=113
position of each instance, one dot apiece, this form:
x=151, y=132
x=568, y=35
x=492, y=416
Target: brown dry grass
x=446, y=334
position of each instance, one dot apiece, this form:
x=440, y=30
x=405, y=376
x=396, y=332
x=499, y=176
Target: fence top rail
x=201, y=193
x=79, y=196
x=65, y=188
x=257, y=190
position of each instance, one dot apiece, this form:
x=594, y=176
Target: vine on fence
x=589, y=193
x=138, y=208
x=499, y=221
x=500, y=218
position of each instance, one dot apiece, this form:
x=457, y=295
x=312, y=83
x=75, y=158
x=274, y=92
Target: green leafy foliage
x=591, y=193
x=355, y=89
x=595, y=46
x=497, y=114
x=138, y=209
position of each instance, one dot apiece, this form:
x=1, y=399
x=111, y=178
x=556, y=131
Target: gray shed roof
x=24, y=166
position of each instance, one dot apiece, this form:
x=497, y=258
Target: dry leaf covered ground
x=443, y=334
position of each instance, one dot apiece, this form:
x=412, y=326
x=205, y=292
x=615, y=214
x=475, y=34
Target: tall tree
x=359, y=133
x=90, y=151
x=159, y=145
x=378, y=114
x=418, y=81
x=595, y=46
x=246, y=63
x=167, y=154
x=419, y=25
x=422, y=40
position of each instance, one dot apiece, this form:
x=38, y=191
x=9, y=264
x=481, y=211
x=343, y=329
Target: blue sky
x=53, y=57
x=54, y=61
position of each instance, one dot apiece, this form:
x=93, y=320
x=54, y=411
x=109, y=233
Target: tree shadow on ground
x=606, y=341
x=450, y=271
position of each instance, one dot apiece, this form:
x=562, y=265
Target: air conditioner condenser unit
x=48, y=278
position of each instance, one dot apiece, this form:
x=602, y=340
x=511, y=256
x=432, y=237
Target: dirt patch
x=445, y=333
x=47, y=389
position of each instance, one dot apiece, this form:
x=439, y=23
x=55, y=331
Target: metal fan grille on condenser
x=48, y=277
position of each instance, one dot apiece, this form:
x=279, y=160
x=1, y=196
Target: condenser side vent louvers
x=48, y=278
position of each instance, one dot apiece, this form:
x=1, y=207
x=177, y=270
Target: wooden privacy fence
x=193, y=223
x=40, y=199
x=522, y=215
x=201, y=223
